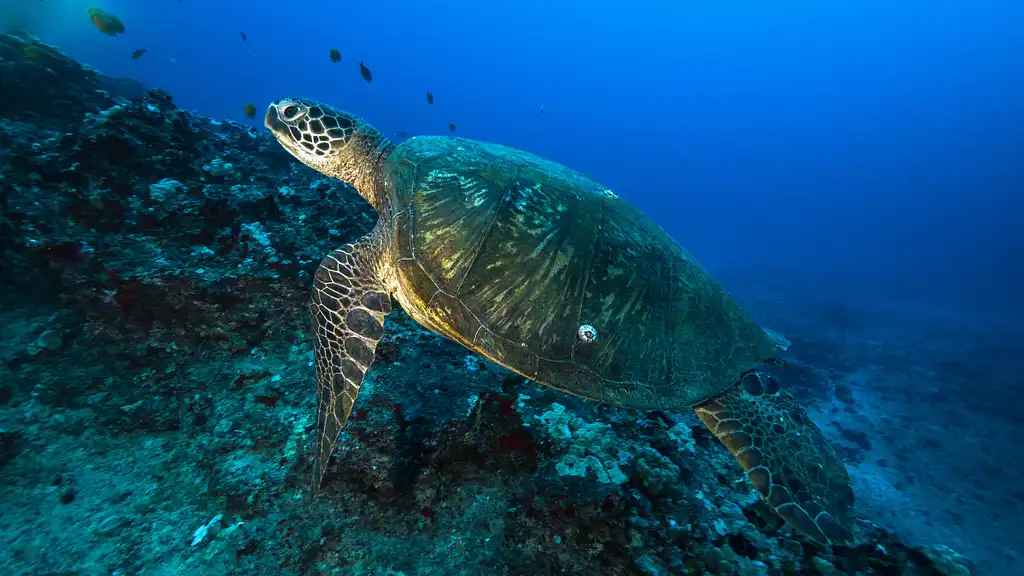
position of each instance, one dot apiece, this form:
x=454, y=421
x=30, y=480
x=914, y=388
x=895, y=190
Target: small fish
x=138, y=53
x=107, y=23
x=430, y=98
x=402, y=134
x=541, y=108
x=250, y=110
x=244, y=37
x=365, y=72
x=335, y=55
x=451, y=127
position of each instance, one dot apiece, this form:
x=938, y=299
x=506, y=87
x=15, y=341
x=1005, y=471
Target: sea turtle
x=552, y=275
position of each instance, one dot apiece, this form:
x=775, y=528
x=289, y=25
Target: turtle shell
x=553, y=276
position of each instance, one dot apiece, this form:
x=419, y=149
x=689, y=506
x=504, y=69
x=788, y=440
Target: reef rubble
x=157, y=403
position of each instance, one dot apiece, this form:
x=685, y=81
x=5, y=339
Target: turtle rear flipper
x=784, y=454
x=348, y=307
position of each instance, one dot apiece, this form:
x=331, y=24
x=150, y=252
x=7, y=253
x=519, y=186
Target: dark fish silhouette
x=138, y=53
x=244, y=37
x=250, y=110
x=335, y=55
x=430, y=98
x=365, y=72
x=451, y=127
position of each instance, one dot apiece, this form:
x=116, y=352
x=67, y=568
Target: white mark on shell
x=587, y=334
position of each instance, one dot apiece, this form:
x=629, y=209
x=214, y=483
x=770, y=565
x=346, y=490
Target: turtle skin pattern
x=348, y=306
x=784, y=454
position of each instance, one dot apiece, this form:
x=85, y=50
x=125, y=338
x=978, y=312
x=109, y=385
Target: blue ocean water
x=850, y=170
x=858, y=137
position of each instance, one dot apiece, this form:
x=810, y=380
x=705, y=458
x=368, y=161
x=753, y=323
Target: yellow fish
x=107, y=23
x=33, y=51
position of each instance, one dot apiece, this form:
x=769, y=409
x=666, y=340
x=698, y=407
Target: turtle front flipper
x=784, y=454
x=348, y=305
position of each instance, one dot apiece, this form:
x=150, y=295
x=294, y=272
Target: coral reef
x=156, y=387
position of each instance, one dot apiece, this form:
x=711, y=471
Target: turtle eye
x=290, y=112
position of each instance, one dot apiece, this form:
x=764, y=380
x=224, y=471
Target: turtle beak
x=273, y=121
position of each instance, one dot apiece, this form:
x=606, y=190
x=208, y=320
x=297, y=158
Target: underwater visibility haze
x=395, y=288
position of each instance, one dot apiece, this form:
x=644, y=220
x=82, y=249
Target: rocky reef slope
x=156, y=397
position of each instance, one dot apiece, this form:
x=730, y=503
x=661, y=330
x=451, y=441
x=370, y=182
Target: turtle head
x=333, y=142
